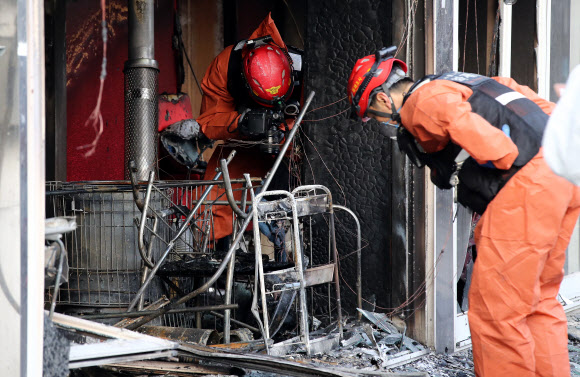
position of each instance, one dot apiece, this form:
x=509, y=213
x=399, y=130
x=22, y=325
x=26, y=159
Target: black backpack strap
x=235, y=80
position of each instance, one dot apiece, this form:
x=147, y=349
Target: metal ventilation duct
x=141, y=70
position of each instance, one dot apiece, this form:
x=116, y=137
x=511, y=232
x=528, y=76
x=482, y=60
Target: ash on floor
x=373, y=348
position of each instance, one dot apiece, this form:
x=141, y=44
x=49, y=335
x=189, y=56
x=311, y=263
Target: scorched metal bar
x=244, y=226
x=147, y=312
x=239, y=323
x=333, y=248
x=179, y=233
x=358, y=258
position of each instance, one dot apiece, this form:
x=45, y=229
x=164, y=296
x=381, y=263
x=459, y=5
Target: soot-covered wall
x=354, y=160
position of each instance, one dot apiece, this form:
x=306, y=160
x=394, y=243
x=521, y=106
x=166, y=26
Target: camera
x=263, y=125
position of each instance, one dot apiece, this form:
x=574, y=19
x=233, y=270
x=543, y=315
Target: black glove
x=478, y=185
x=408, y=146
x=442, y=163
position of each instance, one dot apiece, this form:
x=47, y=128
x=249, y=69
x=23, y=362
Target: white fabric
x=562, y=136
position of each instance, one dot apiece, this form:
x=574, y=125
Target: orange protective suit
x=518, y=328
x=218, y=111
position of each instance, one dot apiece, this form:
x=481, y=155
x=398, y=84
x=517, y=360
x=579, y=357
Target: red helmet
x=369, y=73
x=268, y=74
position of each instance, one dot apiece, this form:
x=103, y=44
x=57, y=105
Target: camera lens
x=291, y=109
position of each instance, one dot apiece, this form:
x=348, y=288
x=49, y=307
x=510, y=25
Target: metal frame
x=21, y=185
x=570, y=288
x=32, y=124
x=56, y=94
x=448, y=238
x=300, y=203
x=297, y=262
x=451, y=328
x=544, y=20
x=358, y=258
x=505, y=40
x=334, y=252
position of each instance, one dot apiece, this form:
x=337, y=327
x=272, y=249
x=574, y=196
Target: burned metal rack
x=105, y=265
x=302, y=201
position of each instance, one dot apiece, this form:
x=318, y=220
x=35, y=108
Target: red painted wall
x=84, y=55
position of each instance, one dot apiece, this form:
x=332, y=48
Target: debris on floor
x=574, y=342
x=375, y=347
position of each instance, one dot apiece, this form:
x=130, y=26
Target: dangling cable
x=96, y=118
x=493, y=53
x=182, y=46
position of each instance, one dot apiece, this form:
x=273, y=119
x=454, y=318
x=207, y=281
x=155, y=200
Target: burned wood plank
x=251, y=346
x=98, y=329
x=125, y=346
x=114, y=348
x=121, y=358
x=175, y=369
x=181, y=334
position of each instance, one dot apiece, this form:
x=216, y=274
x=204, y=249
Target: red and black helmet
x=369, y=73
x=267, y=70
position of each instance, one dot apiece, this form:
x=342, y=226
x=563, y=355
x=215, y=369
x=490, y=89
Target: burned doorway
x=361, y=163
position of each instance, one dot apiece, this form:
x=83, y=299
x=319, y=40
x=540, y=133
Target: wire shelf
x=104, y=260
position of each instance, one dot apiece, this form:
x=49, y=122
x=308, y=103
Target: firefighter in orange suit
x=247, y=83
x=483, y=136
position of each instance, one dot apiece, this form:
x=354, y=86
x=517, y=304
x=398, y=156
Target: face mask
x=390, y=122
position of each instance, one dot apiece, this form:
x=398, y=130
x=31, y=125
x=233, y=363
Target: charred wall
x=355, y=161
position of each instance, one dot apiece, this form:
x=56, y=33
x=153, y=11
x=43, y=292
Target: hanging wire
x=326, y=166
x=429, y=278
x=330, y=104
x=408, y=25
x=295, y=23
x=190, y=66
x=182, y=47
x=493, y=53
x=328, y=117
x=476, y=35
x=465, y=34
x=96, y=118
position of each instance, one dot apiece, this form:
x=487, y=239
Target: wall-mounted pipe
x=141, y=86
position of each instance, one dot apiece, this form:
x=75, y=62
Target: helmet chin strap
x=394, y=115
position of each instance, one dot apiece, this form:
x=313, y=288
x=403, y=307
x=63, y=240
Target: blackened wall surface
x=352, y=159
